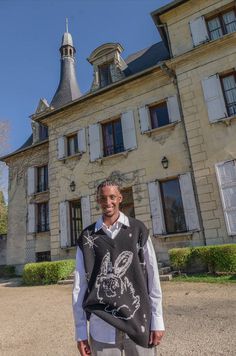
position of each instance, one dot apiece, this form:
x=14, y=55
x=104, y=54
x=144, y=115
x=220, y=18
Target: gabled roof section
x=104, y=50
x=42, y=106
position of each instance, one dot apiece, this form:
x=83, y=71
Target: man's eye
x=113, y=197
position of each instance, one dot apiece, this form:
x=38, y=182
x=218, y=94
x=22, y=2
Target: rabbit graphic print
x=112, y=285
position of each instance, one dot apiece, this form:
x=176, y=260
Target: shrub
x=47, y=272
x=7, y=271
x=218, y=258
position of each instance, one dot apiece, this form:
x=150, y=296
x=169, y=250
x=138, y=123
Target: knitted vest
x=117, y=282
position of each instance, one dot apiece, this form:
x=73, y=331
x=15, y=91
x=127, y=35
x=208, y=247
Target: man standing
x=116, y=284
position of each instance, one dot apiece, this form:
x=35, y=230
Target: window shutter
x=214, y=98
x=144, y=117
x=226, y=176
x=81, y=140
x=189, y=203
x=64, y=224
x=156, y=208
x=128, y=130
x=86, y=214
x=173, y=108
x=95, y=142
x=31, y=218
x=31, y=180
x=61, y=147
x=199, y=30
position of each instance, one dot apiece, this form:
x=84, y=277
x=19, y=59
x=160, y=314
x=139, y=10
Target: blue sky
x=31, y=35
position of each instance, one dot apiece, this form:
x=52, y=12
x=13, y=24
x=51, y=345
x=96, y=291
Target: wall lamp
x=165, y=162
x=72, y=186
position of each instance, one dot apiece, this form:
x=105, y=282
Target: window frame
x=222, y=24
x=151, y=108
x=72, y=221
x=46, y=217
x=105, y=147
x=223, y=91
x=100, y=67
x=45, y=179
x=164, y=208
x=41, y=258
x=74, y=137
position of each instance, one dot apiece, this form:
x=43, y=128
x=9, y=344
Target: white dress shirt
x=98, y=328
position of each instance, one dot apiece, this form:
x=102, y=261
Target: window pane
x=230, y=21
x=108, y=139
x=72, y=145
x=215, y=28
x=173, y=206
x=119, y=145
x=159, y=116
x=229, y=86
x=76, y=221
x=105, y=75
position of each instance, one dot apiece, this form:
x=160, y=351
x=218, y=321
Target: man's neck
x=108, y=221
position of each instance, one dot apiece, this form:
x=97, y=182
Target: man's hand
x=83, y=347
x=155, y=337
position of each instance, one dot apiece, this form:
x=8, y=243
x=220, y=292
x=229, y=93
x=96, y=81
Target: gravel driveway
x=37, y=321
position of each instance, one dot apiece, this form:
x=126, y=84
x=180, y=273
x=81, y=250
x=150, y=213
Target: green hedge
x=217, y=258
x=47, y=272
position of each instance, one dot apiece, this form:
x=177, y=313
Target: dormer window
x=105, y=75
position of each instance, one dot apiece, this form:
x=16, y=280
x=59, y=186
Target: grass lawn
x=208, y=278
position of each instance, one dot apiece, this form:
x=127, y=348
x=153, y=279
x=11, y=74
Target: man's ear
x=121, y=197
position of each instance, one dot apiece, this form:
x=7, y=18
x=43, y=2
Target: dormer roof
x=104, y=50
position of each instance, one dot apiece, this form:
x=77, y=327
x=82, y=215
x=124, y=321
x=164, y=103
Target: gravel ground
x=37, y=321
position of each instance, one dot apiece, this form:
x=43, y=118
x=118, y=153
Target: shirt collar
x=123, y=219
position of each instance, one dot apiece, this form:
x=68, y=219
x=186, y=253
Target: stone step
x=165, y=277
x=66, y=281
x=164, y=270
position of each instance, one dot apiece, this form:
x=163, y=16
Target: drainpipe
x=171, y=74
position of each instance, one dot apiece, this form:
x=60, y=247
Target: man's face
x=109, y=199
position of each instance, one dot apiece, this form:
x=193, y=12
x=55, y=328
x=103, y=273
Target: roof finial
x=67, y=24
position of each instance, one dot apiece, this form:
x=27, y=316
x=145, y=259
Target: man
x=116, y=284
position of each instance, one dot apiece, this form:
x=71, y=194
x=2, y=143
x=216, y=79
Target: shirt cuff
x=81, y=333
x=157, y=323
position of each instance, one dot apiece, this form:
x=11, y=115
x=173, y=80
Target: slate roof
x=137, y=62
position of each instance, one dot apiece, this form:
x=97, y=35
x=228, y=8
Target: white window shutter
x=214, y=98
x=144, y=118
x=158, y=223
x=173, y=108
x=226, y=176
x=86, y=213
x=81, y=140
x=189, y=203
x=31, y=218
x=61, y=147
x=128, y=130
x=31, y=180
x=95, y=142
x=199, y=30
x=64, y=224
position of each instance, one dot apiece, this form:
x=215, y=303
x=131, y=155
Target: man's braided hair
x=109, y=183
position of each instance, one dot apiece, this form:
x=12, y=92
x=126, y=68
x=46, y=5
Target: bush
x=218, y=258
x=47, y=272
x=7, y=271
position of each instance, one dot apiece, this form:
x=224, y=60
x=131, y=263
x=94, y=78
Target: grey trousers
x=123, y=347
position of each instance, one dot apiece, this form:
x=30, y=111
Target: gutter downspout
x=171, y=74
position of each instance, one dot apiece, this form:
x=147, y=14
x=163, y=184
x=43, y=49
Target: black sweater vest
x=117, y=282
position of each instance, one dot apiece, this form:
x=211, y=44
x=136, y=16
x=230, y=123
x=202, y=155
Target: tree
x=3, y=215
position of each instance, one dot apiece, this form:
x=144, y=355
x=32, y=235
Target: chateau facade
x=162, y=123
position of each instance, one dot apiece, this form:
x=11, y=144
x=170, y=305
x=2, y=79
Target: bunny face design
x=110, y=284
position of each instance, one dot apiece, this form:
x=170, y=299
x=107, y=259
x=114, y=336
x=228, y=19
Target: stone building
x=162, y=122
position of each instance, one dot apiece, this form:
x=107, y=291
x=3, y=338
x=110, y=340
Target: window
x=43, y=256
x=43, y=217
x=229, y=89
x=43, y=132
x=42, y=178
x=222, y=24
x=75, y=220
x=105, y=75
x=112, y=137
x=127, y=205
x=173, y=206
x=159, y=115
x=72, y=145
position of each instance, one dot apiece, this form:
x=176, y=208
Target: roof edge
x=168, y=7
